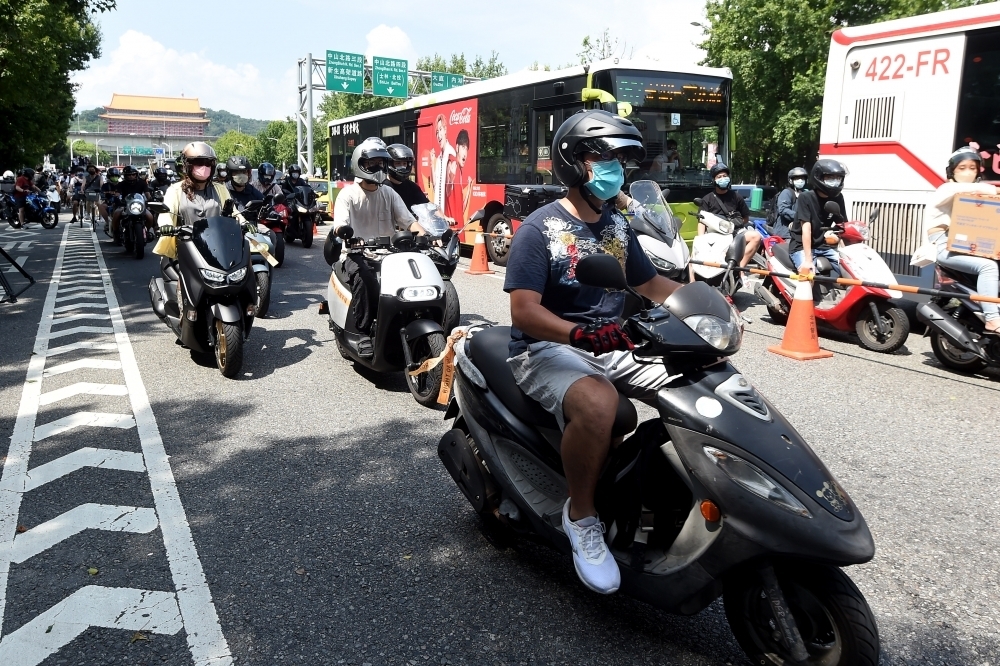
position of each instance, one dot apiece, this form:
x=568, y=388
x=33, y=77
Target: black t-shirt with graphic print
x=543, y=257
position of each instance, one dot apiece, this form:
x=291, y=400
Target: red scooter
x=867, y=311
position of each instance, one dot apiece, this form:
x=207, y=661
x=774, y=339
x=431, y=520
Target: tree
x=41, y=42
x=87, y=149
x=234, y=143
x=602, y=47
x=777, y=50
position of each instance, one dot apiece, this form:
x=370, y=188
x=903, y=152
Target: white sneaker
x=595, y=566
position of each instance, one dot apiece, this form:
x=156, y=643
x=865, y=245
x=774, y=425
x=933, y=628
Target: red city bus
x=485, y=146
x=900, y=97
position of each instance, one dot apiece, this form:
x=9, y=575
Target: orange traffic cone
x=479, y=265
x=800, y=340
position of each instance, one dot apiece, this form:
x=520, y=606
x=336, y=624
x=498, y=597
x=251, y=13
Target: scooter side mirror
x=157, y=208
x=402, y=240
x=698, y=201
x=873, y=216
x=832, y=208
x=736, y=249
x=601, y=270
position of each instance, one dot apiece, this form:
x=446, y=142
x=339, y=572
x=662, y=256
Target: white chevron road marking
x=93, y=363
x=80, y=419
x=84, y=517
x=81, y=388
x=80, y=329
x=88, y=456
x=82, y=306
x=91, y=606
x=86, y=344
x=82, y=315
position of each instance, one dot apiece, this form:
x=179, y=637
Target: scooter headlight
x=723, y=335
x=418, y=293
x=750, y=477
x=213, y=276
x=237, y=275
x=661, y=264
x=725, y=226
x=135, y=208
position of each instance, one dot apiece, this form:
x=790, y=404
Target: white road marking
x=88, y=456
x=95, y=363
x=80, y=419
x=80, y=329
x=89, y=292
x=82, y=315
x=91, y=606
x=81, y=306
x=86, y=344
x=192, y=607
x=20, y=262
x=84, y=517
x=85, y=388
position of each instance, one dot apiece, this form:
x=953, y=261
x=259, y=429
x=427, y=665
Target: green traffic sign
x=345, y=72
x=442, y=81
x=390, y=77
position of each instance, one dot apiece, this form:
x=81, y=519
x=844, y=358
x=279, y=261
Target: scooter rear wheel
x=833, y=618
x=308, y=229
x=953, y=357
x=426, y=385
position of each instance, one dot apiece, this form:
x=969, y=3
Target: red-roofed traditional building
x=155, y=116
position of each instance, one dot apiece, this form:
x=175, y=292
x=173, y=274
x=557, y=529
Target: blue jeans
x=986, y=271
x=827, y=252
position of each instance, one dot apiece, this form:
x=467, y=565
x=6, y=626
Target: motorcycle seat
x=966, y=279
x=488, y=350
x=780, y=253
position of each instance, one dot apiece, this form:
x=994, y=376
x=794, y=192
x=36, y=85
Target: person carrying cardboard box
x=963, y=173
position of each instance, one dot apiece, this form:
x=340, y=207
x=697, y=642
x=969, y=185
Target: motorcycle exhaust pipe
x=934, y=317
x=157, y=297
x=769, y=299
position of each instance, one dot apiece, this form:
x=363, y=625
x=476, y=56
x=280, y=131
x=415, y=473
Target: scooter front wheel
x=426, y=385
x=50, y=220
x=263, y=293
x=832, y=616
x=895, y=327
x=228, y=348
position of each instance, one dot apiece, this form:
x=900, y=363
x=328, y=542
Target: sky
x=241, y=56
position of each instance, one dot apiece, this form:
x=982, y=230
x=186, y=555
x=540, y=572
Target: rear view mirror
x=736, y=249
x=478, y=215
x=601, y=270
x=698, y=201
x=873, y=216
x=157, y=208
x=832, y=208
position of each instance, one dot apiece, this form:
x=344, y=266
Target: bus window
x=545, y=123
x=979, y=99
x=683, y=121
x=504, y=145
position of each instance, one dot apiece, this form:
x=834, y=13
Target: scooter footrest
x=365, y=348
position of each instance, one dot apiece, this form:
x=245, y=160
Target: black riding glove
x=600, y=337
x=167, y=230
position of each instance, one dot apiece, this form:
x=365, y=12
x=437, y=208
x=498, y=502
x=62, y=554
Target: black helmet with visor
x=596, y=132
x=827, y=177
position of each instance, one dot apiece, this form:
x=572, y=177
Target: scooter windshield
x=653, y=208
x=431, y=219
x=220, y=241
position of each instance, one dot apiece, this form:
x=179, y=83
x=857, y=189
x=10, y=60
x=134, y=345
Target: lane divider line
x=88, y=456
x=91, y=606
x=106, y=517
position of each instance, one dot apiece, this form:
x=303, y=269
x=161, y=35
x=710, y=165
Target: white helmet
x=370, y=160
x=8, y=174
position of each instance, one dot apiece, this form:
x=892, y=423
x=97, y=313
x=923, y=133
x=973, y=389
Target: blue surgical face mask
x=723, y=183
x=607, y=180
x=799, y=183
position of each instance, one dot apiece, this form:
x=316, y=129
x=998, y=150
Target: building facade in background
x=155, y=116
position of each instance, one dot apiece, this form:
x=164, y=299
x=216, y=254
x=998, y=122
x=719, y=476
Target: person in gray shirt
x=367, y=210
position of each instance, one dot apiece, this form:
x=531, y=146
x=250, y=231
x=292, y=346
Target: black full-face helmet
x=266, y=173
x=592, y=131
x=160, y=175
x=959, y=156
x=130, y=173
x=400, y=153
x=827, y=177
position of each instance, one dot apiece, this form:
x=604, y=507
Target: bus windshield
x=683, y=120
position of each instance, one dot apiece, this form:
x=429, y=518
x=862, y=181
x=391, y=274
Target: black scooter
x=956, y=325
x=718, y=496
x=207, y=296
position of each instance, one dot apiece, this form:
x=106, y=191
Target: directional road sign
x=442, y=81
x=390, y=77
x=345, y=72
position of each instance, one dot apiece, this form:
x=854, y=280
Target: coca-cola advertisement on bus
x=446, y=157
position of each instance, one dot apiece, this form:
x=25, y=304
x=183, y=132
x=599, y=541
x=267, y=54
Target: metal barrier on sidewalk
x=9, y=295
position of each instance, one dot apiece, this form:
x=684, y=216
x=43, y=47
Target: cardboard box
x=975, y=225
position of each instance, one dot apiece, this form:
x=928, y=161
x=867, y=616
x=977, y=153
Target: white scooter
x=712, y=246
x=411, y=308
x=658, y=230
x=261, y=253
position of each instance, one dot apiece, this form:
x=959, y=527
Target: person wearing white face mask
x=238, y=184
x=726, y=203
x=786, y=202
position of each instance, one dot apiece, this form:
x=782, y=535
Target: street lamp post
x=71, y=150
x=97, y=151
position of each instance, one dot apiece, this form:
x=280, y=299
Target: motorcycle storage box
x=7, y=186
x=520, y=201
x=975, y=225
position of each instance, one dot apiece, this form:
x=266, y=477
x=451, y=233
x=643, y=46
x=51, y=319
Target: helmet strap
x=586, y=197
